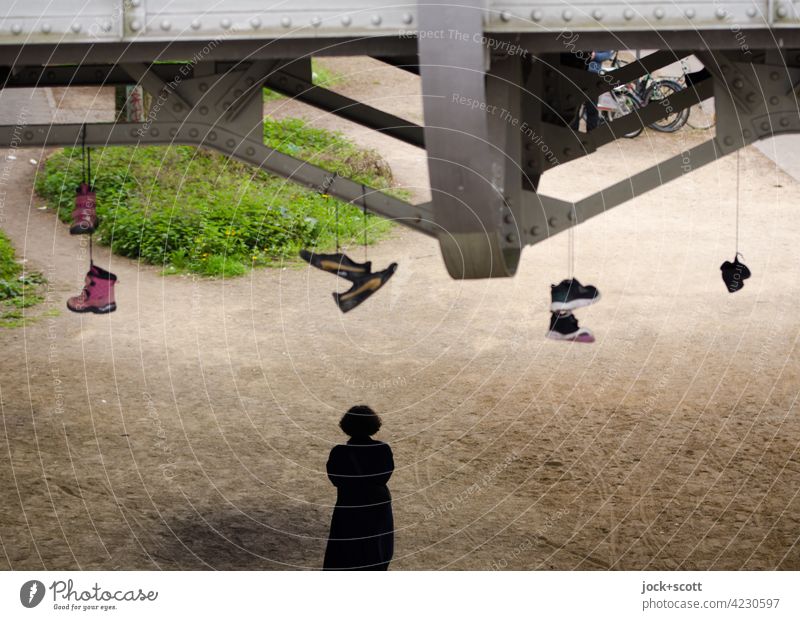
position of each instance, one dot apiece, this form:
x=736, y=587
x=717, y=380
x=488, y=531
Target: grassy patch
x=193, y=210
x=19, y=290
x=323, y=76
x=320, y=76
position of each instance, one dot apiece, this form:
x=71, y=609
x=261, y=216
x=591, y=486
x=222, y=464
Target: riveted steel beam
x=249, y=82
x=350, y=109
x=246, y=149
x=546, y=216
x=752, y=100
x=250, y=77
x=156, y=86
x=134, y=21
x=472, y=152
x=211, y=50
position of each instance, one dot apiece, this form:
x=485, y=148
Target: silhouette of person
x=362, y=526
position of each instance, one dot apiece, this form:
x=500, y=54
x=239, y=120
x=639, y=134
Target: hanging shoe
x=340, y=264
x=84, y=216
x=363, y=288
x=734, y=274
x=571, y=294
x=97, y=295
x=564, y=326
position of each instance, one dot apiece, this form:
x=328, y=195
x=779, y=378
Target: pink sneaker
x=98, y=294
x=84, y=216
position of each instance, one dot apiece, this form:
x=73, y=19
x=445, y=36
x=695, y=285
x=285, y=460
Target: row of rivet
x=536, y=15
x=226, y=24
x=659, y=13
x=193, y=133
x=46, y=28
x=255, y=22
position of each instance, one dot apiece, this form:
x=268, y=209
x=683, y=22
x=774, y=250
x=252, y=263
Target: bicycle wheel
x=660, y=92
x=702, y=115
x=626, y=104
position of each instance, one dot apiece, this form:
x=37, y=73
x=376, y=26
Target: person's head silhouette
x=360, y=422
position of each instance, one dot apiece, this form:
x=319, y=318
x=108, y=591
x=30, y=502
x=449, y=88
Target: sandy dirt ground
x=190, y=429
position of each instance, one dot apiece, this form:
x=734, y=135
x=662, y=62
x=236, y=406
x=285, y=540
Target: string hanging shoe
x=564, y=326
x=97, y=295
x=365, y=282
x=84, y=215
x=735, y=273
x=363, y=288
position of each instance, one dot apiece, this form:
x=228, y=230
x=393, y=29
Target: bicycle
x=617, y=103
x=648, y=89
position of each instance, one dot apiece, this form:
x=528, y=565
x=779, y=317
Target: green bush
x=190, y=209
x=10, y=269
x=17, y=288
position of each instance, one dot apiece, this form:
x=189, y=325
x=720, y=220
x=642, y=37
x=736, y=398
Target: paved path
x=21, y=106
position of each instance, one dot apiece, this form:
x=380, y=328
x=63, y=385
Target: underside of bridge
x=502, y=83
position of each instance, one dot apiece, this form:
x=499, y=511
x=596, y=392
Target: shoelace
x=86, y=292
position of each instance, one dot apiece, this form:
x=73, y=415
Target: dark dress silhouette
x=362, y=526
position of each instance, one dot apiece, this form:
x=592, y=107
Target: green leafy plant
x=18, y=289
x=192, y=210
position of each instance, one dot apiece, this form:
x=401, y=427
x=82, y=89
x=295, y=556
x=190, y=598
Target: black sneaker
x=340, y=264
x=571, y=294
x=564, y=326
x=363, y=288
x=734, y=274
